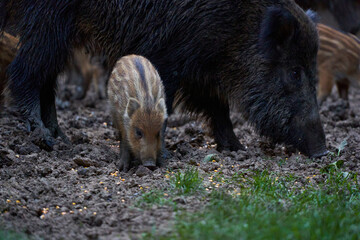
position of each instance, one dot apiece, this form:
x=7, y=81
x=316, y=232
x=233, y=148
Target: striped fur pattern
x=338, y=62
x=138, y=109
x=8, y=49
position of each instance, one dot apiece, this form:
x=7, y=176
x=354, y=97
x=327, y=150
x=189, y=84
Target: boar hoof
x=42, y=138
x=57, y=132
x=124, y=164
x=231, y=147
x=121, y=166
x=63, y=137
x=319, y=155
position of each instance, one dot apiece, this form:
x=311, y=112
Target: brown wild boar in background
x=138, y=109
x=338, y=62
x=86, y=69
x=8, y=48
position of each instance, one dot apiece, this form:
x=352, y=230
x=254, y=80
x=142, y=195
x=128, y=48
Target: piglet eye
x=138, y=133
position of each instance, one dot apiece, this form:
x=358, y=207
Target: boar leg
x=87, y=79
x=219, y=115
x=343, y=88
x=101, y=82
x=101, y=74
x=103, y=79
x=26, y=94
x=125, y=158
x=164, y=153
x=75, y=77
x=32, y=79
x=326, y=83
x=40, y=135
x=222, y=129
x=48, y=112
x=81, y=72
x=83, y=86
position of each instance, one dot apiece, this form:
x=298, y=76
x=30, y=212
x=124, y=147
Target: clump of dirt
x=76, y=191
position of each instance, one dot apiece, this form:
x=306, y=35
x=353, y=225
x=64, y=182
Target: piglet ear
x=161, y=106
x=313, y=16
x=132, y=105
x=277, y=31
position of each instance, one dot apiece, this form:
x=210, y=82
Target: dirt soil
x=75, y=192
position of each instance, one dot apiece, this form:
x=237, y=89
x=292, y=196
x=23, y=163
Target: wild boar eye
x=138, y=133
x=295, y=74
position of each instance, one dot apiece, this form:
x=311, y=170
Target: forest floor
x=76, y=191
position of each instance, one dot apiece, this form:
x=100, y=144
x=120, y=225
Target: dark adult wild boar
x=259, y=54
x=137, y=99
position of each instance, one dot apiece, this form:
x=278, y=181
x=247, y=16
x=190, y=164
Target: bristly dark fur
x=206, y=51
x=278, y=27
x=3, y=15
x=46, y=29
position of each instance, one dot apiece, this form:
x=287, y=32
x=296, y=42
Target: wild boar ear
x=161, y=106
x=277, y=30
x=132, y=105
x=313, y=15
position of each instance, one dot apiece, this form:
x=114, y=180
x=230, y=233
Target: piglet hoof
x=122, y=166
x=126, y=169
x=42, y=138
x=162, y=159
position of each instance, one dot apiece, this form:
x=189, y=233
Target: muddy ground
x=75, y=192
